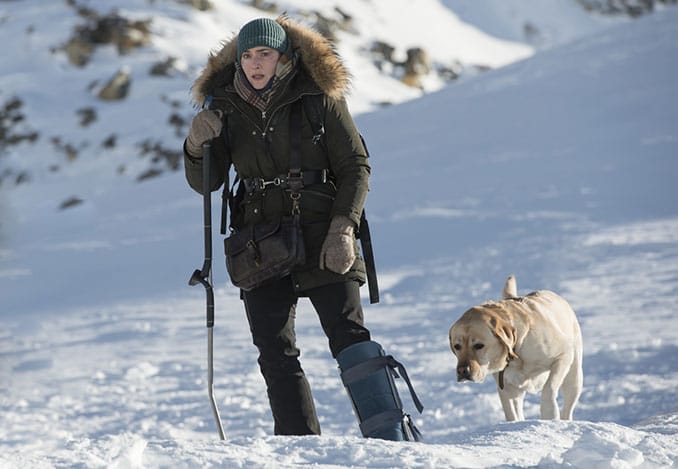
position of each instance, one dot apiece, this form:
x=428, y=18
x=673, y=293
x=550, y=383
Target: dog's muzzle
x=463, y=373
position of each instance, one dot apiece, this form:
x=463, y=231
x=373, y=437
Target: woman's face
x=259, y=64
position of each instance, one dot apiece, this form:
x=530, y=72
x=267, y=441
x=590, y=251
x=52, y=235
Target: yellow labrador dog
x=529, y=343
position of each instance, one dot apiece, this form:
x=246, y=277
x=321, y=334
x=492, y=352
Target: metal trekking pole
x=204, y=277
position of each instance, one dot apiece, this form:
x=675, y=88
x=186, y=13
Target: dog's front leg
x=511, y=399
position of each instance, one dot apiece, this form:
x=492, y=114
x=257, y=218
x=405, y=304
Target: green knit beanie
x=262, y=32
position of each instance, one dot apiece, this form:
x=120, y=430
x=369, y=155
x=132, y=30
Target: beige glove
x=337, y=252
x=205, y=126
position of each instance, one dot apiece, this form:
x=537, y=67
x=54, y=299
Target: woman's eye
x=478, y=346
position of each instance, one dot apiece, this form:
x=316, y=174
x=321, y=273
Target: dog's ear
x=506, y=335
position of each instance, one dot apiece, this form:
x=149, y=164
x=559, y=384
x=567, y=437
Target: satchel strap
x=295, y=178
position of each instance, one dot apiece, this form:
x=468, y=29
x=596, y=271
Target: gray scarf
x=261, y=99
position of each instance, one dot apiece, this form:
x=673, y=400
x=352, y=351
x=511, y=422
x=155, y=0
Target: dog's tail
x=510, y=289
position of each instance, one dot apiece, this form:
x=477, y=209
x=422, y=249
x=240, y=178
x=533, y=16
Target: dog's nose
x=463, y=372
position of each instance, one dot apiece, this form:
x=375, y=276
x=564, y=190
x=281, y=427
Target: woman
x=251, y=85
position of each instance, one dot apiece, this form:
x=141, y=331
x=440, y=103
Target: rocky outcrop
x=631, y=8
x=108, y=29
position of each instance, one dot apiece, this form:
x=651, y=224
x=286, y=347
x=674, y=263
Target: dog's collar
x=501, y=373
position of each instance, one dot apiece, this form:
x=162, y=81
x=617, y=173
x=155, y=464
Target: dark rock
x=149, y=174
x=110, y=142
x=163, y=68
x=416, y=66
x=70, y=202
x=117, y=87
x=87, y=116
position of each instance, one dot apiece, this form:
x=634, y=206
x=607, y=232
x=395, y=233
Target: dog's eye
x=457, y=347
x=478, y=346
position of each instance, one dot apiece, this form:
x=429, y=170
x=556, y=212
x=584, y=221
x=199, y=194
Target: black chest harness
x=297, y=178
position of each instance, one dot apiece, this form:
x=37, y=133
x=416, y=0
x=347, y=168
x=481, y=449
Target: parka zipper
x=266, y=114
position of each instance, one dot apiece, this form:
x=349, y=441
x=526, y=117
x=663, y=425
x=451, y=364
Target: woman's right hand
x=206, y=125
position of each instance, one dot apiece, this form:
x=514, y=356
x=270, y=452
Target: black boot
x=367, y=373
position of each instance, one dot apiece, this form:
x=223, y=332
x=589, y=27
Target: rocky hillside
x=104, y=86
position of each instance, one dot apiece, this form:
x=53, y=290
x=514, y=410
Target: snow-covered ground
x=560, y=169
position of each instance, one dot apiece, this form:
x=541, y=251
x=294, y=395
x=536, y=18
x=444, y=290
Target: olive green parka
x=259, y=145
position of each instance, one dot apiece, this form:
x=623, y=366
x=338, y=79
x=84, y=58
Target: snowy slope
x=54, y=92
x=558, y=168
x=540, y=23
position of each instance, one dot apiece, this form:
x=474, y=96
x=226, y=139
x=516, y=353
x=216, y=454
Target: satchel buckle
x=295, y=196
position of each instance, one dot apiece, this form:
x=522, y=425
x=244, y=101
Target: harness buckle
x=258, y=184
x=317, y=137
x=295, y=180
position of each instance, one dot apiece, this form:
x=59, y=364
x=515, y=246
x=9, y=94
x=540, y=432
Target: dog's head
x=483, y=342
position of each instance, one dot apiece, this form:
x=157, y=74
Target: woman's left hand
x=337, y=252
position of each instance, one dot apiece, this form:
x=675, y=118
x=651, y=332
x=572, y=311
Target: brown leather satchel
x=261, y=253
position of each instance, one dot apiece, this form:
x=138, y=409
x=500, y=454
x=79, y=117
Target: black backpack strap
x=295, y=176
x=295, y=137
x=366, y=245
x=314, y=109
x=368, y=255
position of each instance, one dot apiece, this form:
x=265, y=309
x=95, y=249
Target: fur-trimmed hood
x=317, y=54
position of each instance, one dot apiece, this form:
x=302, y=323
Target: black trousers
x=271, y=312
